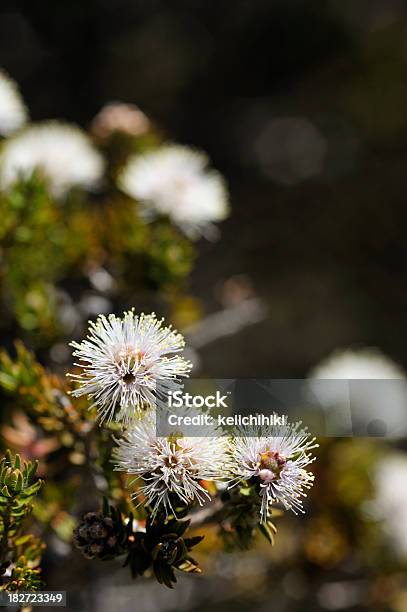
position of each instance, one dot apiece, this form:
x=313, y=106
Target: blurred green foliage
x=49, y=243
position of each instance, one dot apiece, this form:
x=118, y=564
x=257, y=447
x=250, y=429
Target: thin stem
x=4, y=540
x=207, y=514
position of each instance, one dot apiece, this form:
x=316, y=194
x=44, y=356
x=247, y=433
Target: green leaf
x=19, y=482
x=164, y=574
x=23, y=539
x=180, y=527
x=6, y=492
x=33, y=489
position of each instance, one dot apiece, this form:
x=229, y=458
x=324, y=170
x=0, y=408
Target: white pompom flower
x=365, y=363
x=390, y=503
x=171, y=468
x=62, y=153
x=376, y=404
x=128, y=364
x=276, y=459
x=13, y=113
x=175, y=180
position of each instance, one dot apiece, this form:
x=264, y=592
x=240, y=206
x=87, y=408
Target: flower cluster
x=126, y=371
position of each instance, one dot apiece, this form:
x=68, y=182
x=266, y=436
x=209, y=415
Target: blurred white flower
x=390, y=504
x=175, y=181
x=101, y=279
x=367, y=363
x=13, y=113
x=172, y=467
x=276, y=457
x=382, y=406
x=61, y=152
x=125, y=364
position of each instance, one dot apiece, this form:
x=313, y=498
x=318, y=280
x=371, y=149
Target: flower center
x=270, y=465
x=127, y=352
x=129, y=378
x=129, y=363
x=171, y=461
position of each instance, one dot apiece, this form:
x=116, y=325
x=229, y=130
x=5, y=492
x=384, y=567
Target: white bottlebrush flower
x=390, y=504
x=175, y=181
x=61, y=152
x=276, y=457
x=13, y=113
x=172, y=467
x=381, y=405
x=128, y=363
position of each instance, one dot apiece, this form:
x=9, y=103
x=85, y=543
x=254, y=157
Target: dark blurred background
x=302, y=105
